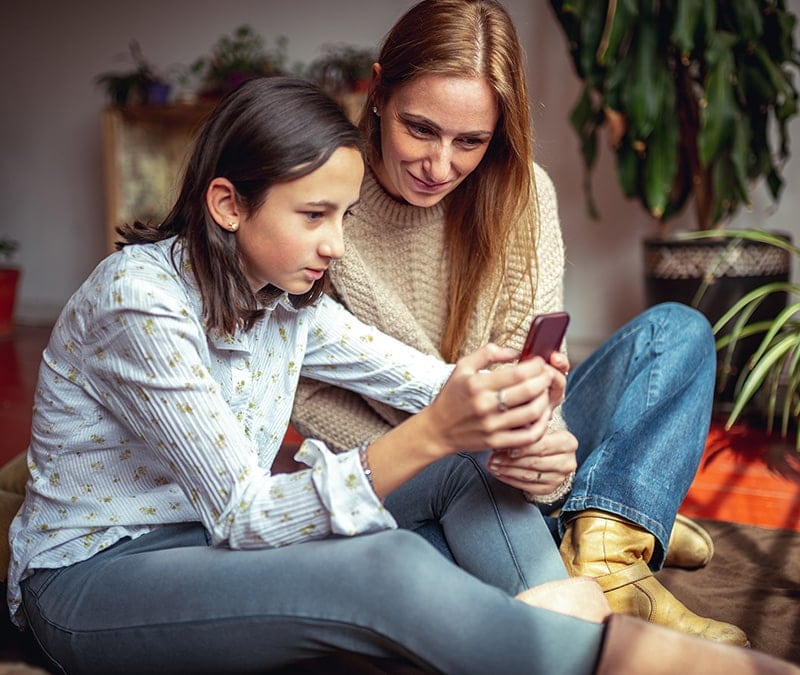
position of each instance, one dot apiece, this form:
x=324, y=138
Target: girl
x=154, y=537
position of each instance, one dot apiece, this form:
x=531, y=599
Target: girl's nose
x=332, y=246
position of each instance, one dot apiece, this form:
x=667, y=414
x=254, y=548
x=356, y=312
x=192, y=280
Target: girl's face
x=296, y=233
x=434, y=131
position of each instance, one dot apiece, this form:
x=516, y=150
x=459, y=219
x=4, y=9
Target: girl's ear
x=222, y=205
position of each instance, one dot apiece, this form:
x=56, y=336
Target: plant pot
x=712, y=275
x=157, y=93
x=9, y=280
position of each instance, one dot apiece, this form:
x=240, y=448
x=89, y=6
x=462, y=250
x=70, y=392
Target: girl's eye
x=314, y=215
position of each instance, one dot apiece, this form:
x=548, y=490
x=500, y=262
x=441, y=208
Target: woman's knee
x=685, y=328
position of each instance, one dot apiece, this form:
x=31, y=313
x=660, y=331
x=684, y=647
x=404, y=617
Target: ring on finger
x=501, y=401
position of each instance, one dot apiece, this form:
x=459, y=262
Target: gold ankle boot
x=616, y=552
x=690, y=545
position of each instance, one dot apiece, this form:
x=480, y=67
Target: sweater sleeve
x=342, y=418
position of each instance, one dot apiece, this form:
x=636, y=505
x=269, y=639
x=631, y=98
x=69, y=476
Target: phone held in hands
x=545, y=335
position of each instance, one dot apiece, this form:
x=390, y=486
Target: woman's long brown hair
x=473, y=38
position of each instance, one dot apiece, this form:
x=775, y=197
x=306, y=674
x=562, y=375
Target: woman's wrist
x=556, y=496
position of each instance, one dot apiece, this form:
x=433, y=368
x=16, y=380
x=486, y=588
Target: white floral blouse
x=141, y=419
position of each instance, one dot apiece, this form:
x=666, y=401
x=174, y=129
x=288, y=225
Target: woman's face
x=296, y=233
x=434, y=131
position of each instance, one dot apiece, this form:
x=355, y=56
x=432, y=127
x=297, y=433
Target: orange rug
x=747, y=476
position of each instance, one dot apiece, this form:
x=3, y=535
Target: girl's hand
x=540, y=467
x=476, y=409
x=501, y=408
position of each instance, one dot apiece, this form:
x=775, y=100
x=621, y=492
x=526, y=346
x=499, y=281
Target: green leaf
x=748, y=19
x=661, y=161
x=643, y=97
x=628, y=169
x=720, y=113
x=756, y=377
x=621, y=19
x=739, y=154
x=687, y=18
x=593, y=15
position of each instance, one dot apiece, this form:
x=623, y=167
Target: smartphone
x=545, y=335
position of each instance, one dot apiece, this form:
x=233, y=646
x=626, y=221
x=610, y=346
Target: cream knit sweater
x=393, y=276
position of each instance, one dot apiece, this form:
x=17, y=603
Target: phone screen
x=545, y=335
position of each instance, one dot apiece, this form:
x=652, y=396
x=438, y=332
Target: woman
x=456, y=242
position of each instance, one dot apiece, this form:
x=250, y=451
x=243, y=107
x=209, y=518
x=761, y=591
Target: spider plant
x=773, y=369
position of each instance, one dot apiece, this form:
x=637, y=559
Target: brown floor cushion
x=753, y=581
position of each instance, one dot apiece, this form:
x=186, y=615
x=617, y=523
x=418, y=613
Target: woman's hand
x=560, y=362
x=540, y=467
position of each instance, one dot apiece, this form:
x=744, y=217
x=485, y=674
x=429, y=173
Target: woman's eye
x=314, y=215
x=419, y=131
x=471, y=142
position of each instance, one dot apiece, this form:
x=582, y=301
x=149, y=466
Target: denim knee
x=686, y=329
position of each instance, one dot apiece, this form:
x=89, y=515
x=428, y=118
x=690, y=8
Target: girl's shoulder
x=139, y=275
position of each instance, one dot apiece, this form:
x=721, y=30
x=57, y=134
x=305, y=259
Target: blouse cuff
x=344, y=490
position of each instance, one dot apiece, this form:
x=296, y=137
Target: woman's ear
x=222, y=205
x=374, y=87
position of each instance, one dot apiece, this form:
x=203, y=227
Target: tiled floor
x=745, y=476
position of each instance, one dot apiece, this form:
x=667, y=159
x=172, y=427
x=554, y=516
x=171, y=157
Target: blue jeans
x=640, y=407
x=168, y=602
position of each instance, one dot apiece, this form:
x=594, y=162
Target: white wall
x=51, y=184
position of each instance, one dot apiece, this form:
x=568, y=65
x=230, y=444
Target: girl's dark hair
x=269, y=130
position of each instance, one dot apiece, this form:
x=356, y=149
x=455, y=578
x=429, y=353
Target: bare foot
x=580, y=597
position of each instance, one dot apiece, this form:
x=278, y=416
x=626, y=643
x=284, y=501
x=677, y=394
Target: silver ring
x=501, y=402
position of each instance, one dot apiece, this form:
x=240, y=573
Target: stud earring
x=233, y=226
x=375, y=111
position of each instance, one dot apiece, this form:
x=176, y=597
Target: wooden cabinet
x=144, y=151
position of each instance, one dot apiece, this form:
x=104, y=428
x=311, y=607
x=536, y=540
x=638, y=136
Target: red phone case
x=545, y=335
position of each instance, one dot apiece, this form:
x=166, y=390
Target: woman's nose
x=438, y=164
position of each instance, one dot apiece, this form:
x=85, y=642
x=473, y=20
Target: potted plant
x=772, y=371
x=342, y=68
x=696, y=97
x=9, y=280
x=143, y=84
x=238, y=57
x=344, y=71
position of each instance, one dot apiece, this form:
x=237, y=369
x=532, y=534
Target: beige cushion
x=13, y=477
x=9, y=505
